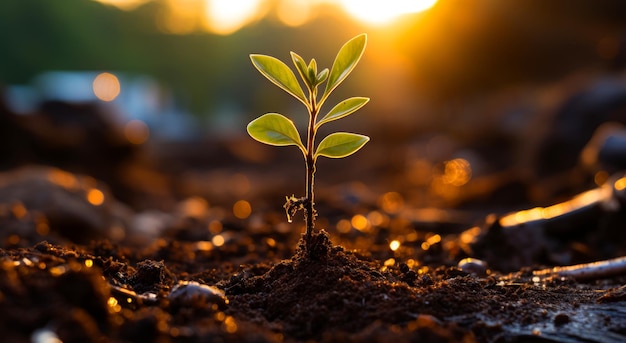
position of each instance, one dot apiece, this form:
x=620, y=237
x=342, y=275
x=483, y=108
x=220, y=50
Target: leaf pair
x=276, y=129
x=282, y=76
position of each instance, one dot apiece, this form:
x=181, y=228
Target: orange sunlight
x=124, y=4
x=383, y=12
x=226, y=16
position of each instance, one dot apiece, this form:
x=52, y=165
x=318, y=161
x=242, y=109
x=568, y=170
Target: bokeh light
x=242, y=209
x=391, y=202
x=95, y=197
x=136, y=132
x=194, y=207
x=361, y=223
x=106, y=87
x=620, y=184
x=218, y=240
x=62, y=178
x=457, y=172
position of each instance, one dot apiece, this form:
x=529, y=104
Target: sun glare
x=123, y=4
x=383, y=12
x=227, y=16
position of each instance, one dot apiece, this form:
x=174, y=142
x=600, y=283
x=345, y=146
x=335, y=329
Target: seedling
x=276, y=129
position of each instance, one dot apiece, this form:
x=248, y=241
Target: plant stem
x=309, y=210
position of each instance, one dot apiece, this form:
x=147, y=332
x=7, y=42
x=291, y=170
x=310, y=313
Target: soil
x=85, y=259
x=188, y=286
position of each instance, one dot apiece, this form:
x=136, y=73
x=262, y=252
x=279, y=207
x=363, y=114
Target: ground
x=187, y=243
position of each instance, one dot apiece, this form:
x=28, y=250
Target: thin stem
x=309, y=209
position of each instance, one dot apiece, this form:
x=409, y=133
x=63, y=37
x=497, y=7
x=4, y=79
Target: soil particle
x=561, y=319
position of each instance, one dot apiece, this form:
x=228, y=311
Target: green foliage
x=280, y=74
x=276, y=129
x=340, y=144
x=343, y=109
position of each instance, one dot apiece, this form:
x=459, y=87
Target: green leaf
x=280, y=74
x=347, y=58
x=343, y=109
x=340, y=144
x=300, y=64
x=275, y=129
x=312, y=71
x=322, y=76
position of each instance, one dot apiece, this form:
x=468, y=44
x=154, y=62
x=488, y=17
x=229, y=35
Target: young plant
x=276, y=129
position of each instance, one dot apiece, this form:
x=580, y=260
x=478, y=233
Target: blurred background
x=478, y=104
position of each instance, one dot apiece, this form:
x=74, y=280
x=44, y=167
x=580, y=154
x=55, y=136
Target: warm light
x=620, y=184
x=540, y=213
x=242, y=209
x=95, y=197
x=18, y=210
x=195, y=207
x=389, y=262
x=434, y=239
x=469, y=236
x=181, y=16
x=218, y=240
x=204, y=245
x=382, y=12
x=215, y=227
x=377, y=219
x=391, y=202
x=114, y=305
x=62, y=178
x=344, y=226
x=123, y=4
x=600, y=177
x=88, y=263
x=231, y=325
x=227, y=16
x=360, y=223
x=42, y=228
x=294, y=12
x=457, y=172
x=106, y=87
x=394, y=245
x=136, y=132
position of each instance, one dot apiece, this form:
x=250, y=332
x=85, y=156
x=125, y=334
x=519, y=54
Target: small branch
x=588, y=271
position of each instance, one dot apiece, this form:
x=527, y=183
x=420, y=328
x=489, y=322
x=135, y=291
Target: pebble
x=191, y=293
x=473, y=266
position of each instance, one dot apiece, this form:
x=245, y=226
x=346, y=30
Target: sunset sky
x=227, y=16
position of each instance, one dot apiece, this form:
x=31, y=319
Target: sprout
x=276, y=129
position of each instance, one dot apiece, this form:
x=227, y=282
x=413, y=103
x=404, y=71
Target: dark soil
x=152, y=251
x=181, y=290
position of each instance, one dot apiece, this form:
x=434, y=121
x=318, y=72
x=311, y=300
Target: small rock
x=194, y=294
x=561, y=319
x=473, y=266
